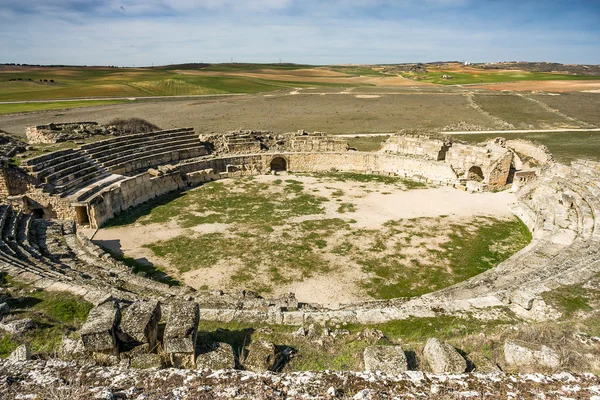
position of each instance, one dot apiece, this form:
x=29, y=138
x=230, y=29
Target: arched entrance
x=278, y=164
x=475, y=174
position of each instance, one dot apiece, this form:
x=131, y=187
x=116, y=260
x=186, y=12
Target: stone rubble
x=39, y=378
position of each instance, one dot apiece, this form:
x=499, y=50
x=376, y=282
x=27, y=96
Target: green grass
x=463, y=78
x=55, y=105
x=368, y=178
x=74, y=82
x=55, y=314
x=366, y=143
x=466, y=253
x=565, y=146
x=151, y=271
x=571, y=299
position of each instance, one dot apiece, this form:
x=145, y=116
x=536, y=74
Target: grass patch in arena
x=407, y=184
x=465, y=252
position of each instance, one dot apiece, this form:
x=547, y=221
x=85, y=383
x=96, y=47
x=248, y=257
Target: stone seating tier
x=95, y=147
x=88, y=192
x=149, y=150
x=115, y=148
x=44, y=161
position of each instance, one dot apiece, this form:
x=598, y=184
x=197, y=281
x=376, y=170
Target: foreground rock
x=35, y=379
x=523, y=355
x=442, y=358
x=180, y=334
x=17, y=327
x=21, y=353
x=98, y=332
x=215, y=356
x=386, y=359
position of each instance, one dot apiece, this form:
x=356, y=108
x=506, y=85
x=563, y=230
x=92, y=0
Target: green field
x=55, y=105
x=48, y=83
x=565, y=146
x=465, y=78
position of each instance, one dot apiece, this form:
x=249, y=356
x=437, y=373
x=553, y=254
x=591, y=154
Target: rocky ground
x=62, y=380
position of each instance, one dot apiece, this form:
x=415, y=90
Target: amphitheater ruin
x=48, y=198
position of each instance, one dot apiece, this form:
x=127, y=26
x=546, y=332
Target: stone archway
x=475, y=174
x=278, y=164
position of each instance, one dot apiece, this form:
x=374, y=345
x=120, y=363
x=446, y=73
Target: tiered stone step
x=131, y=153
x=88, y=192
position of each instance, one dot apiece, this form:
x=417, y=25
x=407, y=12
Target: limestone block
x=139, y=323
x=17, y=327
x=145, y=361
x=443, y=358
x=261, y=356
x=98, y=332
x=21, y=353
x=4, y=309
x=71, y=349
x=215, y=356
x=387, y=359
x=522, y=354
x=180, y=333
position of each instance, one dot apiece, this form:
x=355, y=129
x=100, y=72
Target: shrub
x=132, y=125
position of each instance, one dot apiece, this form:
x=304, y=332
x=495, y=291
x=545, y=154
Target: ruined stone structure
x=560, y=204
x=489, y=163
x=62, y=132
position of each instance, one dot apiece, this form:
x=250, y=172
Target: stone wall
x=14, y=181
x=54, y=133
x=418, y=146
x=531, y=153
x=53, y=207
x=492, y=160
x=130, y=193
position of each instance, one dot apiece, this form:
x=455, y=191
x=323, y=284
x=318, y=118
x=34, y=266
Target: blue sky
x=133, y=32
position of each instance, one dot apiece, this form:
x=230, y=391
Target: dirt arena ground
x=355, y=217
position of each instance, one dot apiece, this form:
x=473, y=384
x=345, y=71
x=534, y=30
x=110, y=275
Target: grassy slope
x=55, y=314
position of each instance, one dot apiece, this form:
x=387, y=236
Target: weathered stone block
x=387, y=359
x=21, y=353
x=98, y=332
x=443, y=358
x=18, y=326
x=180, y=333
x=144, y=361
x=522, y=354
x=261, y=356
x=139, y=323
x=215, y=356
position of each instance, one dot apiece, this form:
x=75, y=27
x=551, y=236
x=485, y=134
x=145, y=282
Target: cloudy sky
x=135, y=32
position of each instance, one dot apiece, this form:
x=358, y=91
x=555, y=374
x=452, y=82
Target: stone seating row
x=82, y=173
x=100, y=146
x=127, y=143
x=51, y=254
